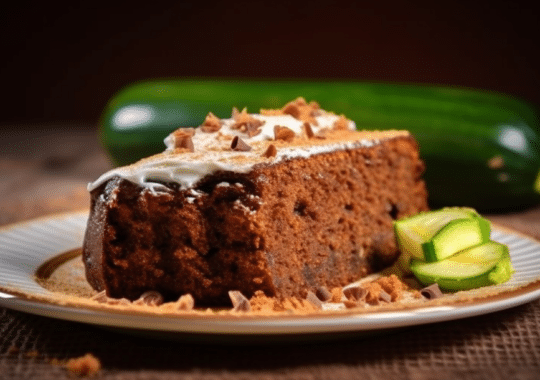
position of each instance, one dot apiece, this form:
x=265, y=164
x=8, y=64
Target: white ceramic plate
x=24, y=247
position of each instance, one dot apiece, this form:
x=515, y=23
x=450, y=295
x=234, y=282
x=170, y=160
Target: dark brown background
x=63, y=62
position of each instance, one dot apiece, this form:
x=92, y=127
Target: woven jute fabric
x=494, y=346
x=504, y=345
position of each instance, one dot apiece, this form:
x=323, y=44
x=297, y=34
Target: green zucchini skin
x=481, y=149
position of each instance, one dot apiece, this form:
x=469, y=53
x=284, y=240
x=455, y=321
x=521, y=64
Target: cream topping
x=212, y=152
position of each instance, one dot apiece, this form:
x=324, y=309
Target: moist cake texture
x=283, y=202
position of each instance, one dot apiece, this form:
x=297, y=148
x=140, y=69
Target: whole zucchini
x=481, y=149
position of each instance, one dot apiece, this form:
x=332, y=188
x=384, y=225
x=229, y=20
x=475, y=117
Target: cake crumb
x=373, y=292
x=393, y=286
x=263, y=305
x=296, y=305
x=87, y=365
x=337, y=294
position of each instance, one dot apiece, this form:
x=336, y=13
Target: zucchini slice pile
x=452, y=247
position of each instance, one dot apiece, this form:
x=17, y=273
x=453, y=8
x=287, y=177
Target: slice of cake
x=285, y=201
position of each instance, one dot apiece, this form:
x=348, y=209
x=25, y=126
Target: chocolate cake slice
x=284, y=201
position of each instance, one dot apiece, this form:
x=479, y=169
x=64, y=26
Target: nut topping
x=301, y=110
x=246, y=123
x=341, y=124
x=182, y=138
x=212, y=123
x=283, y=133
x=271, y=151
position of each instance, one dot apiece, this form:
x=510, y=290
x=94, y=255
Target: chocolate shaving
x=253, y=127
x=283, y=133
x=385, y=297
x=314, y=300
x=271, y=151
x=185, y=302
x=431, y=292
x=101, y=297
x=308, y=130
x=150, y=298
x=211, y=123
x=240, y=303
x=239, y=145
x=323, y=293
x=355, y=293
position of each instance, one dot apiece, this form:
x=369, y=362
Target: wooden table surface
x=44, y=169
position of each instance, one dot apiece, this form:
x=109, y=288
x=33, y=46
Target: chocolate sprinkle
x=150, y=298
x=271, y=151
x=431, y=292
x=239, y=145
x=314, y=300
x=323, y=293
x=239, y=301
x=355, y=293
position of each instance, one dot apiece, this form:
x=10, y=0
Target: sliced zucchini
x=424, y=236
x=485, y=264
x=456, y=236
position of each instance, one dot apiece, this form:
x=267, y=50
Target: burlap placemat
x=493, y=346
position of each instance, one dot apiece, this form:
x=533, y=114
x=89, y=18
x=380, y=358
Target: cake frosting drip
x=212, y=149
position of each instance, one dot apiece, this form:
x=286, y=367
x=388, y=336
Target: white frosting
x=213, y=153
